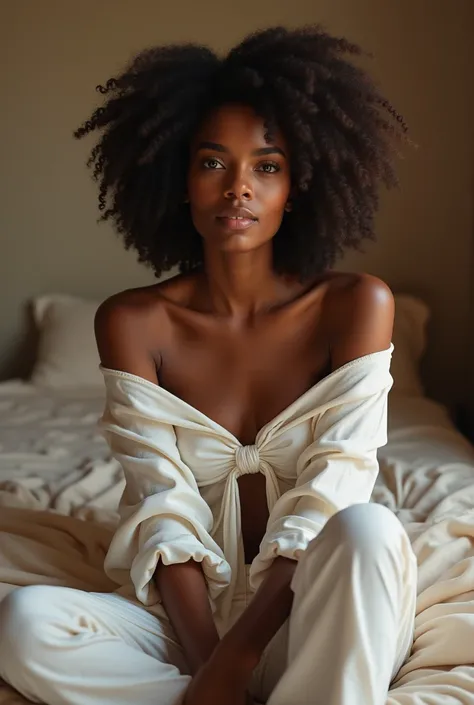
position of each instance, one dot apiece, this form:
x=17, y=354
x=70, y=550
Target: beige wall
x=54, y=53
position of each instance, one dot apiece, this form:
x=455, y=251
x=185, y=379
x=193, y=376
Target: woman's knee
x=364, y=527
x=23, y=617
x=368, y=523
x=364, y=535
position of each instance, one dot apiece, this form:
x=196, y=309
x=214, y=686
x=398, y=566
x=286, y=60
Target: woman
x=246, y=397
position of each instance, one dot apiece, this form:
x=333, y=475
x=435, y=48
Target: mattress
x=52, y=458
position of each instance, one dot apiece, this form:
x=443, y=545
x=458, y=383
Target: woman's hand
x=222, y=680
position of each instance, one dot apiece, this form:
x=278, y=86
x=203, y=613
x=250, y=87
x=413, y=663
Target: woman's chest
x=243, y=380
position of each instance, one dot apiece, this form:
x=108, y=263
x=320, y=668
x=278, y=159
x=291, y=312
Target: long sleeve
x=338, y=468
x=162, y=513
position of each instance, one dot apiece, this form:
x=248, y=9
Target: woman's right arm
x=184, y=594
x=123, y=342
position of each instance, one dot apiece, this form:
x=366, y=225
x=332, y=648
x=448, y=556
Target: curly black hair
x=341, y=131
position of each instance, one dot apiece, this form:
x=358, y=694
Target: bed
x=59, y=491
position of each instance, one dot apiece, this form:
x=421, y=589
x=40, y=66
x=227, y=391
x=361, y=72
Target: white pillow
x=409, y=340
x=67, y=354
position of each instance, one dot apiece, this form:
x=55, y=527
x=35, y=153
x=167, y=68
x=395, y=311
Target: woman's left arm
x=363, y=324
x=225, y=676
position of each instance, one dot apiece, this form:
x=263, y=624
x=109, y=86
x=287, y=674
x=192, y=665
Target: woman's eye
x=269, y=168
x=212, y=164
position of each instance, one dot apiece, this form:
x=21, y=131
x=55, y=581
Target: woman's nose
x=239, y=189
x=238, y=194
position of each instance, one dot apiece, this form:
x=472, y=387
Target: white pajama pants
x=348, y=634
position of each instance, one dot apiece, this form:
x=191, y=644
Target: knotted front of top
x=247, y=460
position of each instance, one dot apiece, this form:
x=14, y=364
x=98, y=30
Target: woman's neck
x=242, y=285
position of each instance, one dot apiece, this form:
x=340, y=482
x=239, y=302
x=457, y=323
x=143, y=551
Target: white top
x=181, y=498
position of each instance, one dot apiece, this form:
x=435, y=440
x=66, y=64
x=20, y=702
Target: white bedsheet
x=52, y=458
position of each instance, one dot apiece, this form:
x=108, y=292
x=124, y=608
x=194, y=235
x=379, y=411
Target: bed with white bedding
x=59, y=491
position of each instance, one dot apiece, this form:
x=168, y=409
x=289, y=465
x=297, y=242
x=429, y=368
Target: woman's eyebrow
x=268, y=150
x=212, y=145
x=257, y=152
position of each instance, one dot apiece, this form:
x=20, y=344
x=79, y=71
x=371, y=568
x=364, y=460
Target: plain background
x=54, y=53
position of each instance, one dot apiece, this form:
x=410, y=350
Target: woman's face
x=238, y=184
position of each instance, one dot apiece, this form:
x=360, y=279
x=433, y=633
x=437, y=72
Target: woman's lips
x=236, y=223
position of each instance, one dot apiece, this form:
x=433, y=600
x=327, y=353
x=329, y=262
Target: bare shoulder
x=360, y=312
x=358, y=292
x=130, y=325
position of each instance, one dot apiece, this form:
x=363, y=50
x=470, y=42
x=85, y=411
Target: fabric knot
x=247, y=459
